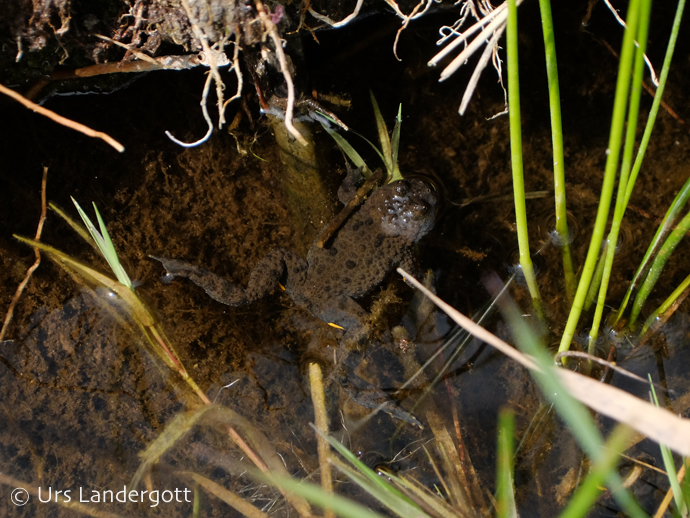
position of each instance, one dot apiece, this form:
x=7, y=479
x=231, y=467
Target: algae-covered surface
x=81, y=395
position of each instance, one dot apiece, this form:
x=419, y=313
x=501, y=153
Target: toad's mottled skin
x=372, y=242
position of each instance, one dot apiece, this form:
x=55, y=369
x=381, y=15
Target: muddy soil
x=81, y=397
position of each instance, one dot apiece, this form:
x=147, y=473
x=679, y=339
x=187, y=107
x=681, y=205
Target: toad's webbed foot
x=264, y=277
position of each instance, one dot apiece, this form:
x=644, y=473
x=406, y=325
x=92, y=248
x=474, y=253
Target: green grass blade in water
x=105, y=245
x=615, y=139
x=516, y=157
x=505, y=491
x=658, y=265
x=589, y=491
x=557, y=143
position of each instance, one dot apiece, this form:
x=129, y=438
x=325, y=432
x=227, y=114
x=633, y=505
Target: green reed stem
x=589, y=491
x=658, y=265
x=619, y=211
x=516, y=157
x=685, y=191
x=615, y=138
x=505, y=490
x=557, y=142
x=596, y=281
x=670, y=301
x=664, y=228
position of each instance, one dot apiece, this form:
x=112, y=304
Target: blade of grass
x=664, y=228
x=685, y=191
x=505, y=491
x=349, y=151
x=670, y=466
x=658, y=265
x=105, y=245
x=619, y=211
x=557, y=143
x=387, y=495
x=384, y=139
x=659, y=314
x=516, y=157
x=363, y=468
x=590, y=490
x=395, y=144
x=615, y=138
x=341, y=506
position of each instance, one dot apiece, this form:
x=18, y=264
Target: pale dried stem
x=278, y=43
x=60, y=119
x=32, y=268
x=321, y=421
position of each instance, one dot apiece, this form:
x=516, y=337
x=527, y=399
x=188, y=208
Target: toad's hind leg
x=264, y=277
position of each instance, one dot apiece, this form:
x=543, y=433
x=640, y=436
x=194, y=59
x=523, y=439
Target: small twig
x=204, y=110
x=60, y=119
x=278, y=43
x=341, y=23
x=357, y=199
x=605, y=363
x=32, y=268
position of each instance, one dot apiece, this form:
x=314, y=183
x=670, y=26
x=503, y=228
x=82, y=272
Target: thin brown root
x=211, y=57
x=32, y=268
x=278, y=43
x=238, y=71
x=60, y=119
x=321, y=417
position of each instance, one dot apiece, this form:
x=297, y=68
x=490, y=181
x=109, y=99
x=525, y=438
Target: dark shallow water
x=97, y=398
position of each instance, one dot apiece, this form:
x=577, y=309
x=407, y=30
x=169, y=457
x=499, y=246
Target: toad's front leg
x=267, y=273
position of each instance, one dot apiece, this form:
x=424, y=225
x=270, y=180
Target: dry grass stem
x=60, y=119
x=605, y=363
x=318, y=398
x=278, y=43
x=32, y=268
